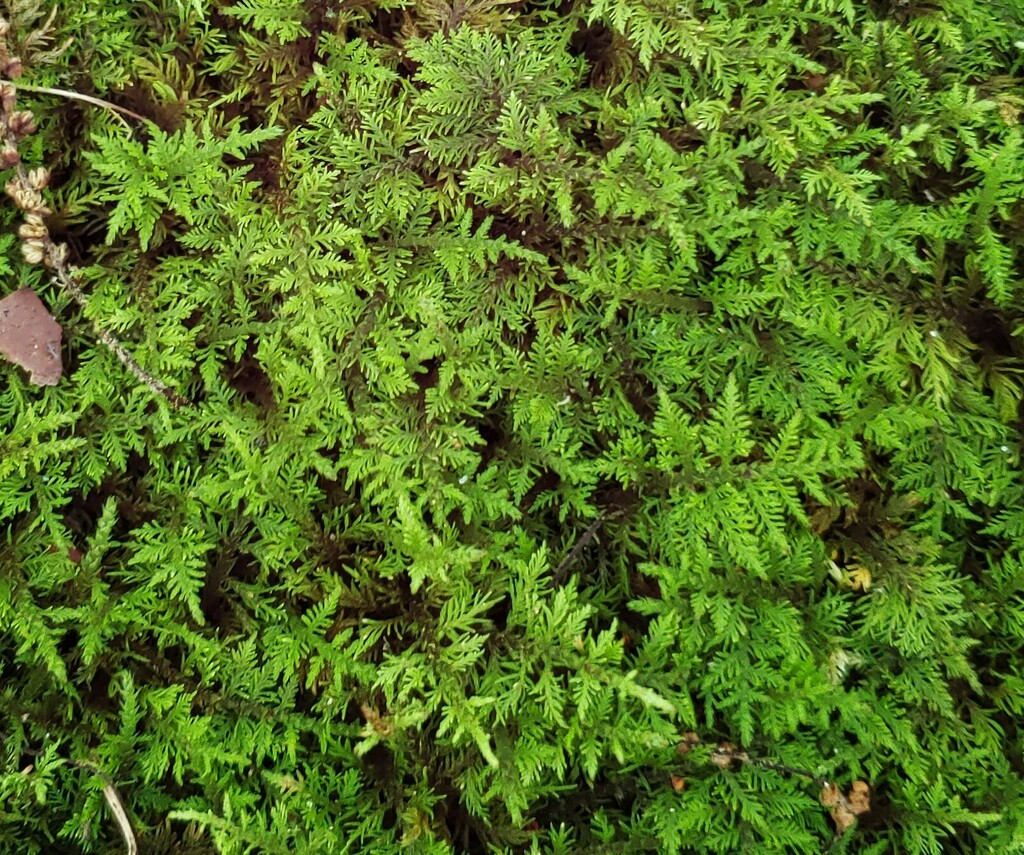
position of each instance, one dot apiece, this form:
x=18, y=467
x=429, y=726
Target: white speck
x=933, y=333
x=524, y=232
x=1019, y=45
x=464, y=479
x=929, y=195
x=888, y=65
x=564, y=401
x=330, y=701
x=671, y=810
x=1005, y=449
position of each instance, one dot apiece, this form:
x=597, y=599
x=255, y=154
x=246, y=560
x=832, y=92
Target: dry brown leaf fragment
x=30, y=337
x=678, y=783
x=846, y=809
x=860, y=797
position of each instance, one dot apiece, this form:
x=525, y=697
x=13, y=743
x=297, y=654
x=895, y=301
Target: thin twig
x=67, y=281
x=116, y=805
x=761, y=763
x=78, y=96
x=558, y=577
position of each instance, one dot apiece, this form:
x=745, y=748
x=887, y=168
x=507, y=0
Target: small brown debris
x=860, y=797
x=728, y=756
x=30, y=337
x=816, y=82
x=381, y=726
x=678, y=783
x=690, y=740
x=846, y=809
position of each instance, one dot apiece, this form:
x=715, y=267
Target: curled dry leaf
x=30, y=337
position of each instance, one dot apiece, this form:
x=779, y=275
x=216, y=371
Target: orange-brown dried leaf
x=678, y=783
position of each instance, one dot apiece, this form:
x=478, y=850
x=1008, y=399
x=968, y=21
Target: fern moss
x=605, y=430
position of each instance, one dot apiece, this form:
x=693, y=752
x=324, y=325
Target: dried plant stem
x=67, y=281
x=559, y=576
x=116, y=805
x=88, y=99
x=724, y=752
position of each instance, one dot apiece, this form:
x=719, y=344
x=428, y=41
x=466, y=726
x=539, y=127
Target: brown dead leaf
x=860, y=797
x=678, y=783
x=30, y=337
x=846, y=809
